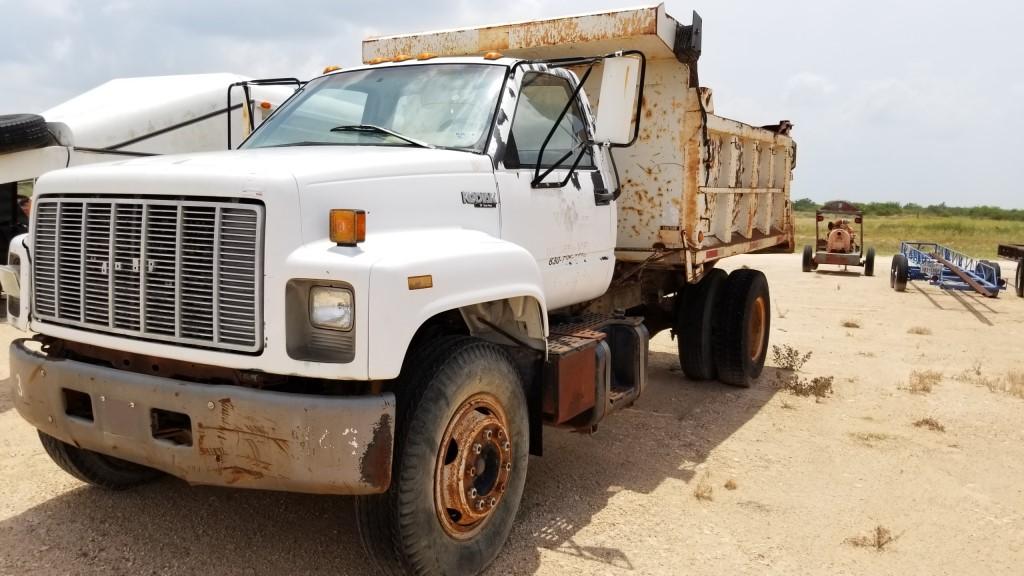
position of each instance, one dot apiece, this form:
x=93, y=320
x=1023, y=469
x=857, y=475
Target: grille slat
x=185, y=272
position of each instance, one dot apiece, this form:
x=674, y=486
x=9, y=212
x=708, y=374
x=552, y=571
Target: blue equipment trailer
x=945, y=268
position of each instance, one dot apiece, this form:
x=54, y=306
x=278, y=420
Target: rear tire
x=808, y=261
x=23, y=132
x=1020, y=279
x=869, y=262
x=899, y=274
x=695, y=320
x=742, y=328
x=446, y=390
x=94, y=468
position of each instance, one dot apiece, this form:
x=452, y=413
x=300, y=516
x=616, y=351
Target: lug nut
x=493, y=502
x=508, y=466
x=506, y=446
x=472, y=492
x=472, y=471
x=480, y=505
x=487, y=434
x=477, y=448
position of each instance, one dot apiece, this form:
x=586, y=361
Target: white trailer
x=402, y=276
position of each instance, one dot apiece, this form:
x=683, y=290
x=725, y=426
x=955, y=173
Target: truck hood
x=397, y=185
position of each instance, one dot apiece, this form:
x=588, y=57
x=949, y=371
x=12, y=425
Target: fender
x=466, y=267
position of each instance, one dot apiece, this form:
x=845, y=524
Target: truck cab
x=401, y=276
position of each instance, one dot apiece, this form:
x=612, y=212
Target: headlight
x=331, y=308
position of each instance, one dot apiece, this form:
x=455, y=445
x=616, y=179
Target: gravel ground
x=813, y=480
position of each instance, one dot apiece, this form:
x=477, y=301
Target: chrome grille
x=184, y=272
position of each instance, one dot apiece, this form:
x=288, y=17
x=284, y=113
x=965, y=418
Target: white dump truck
x=403, y=275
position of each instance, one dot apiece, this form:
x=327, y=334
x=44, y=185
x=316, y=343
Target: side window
x=541, y=100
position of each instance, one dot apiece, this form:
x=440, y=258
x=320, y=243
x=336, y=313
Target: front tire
x=869, y=262
x=744, y=323
x=808, y=259
x=899, y=273
x=97, y=469
x=459, y=469
x=1020, y=279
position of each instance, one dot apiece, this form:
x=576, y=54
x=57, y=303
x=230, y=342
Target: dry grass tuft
x=920, y=331
x=923, y=381
x=851, y=323
x=788, y=358
x=870, y=439
x=703, y=491
x=879, y=538
x=730, y=484
x=787, y=377
x=931, y=424
x=1011, y=385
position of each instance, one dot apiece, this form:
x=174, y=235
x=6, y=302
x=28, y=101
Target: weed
x=920, y=331
x=923, y=381
x=788, y=358
x=1012, y=385
x=870, y=438
x=730, y=484
x=931, y=424
x=703, y=490
x=867, y=354
x=780, y=311
x=851, y=323
x=879, y=538
x=819, y=387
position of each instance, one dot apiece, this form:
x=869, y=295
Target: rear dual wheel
x=1020, y=279
x=723, y=327
x=869, y=262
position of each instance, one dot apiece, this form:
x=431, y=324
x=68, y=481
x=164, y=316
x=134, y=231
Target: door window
x=541, y=99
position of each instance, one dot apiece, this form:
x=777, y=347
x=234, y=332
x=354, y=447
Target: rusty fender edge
x=241, y=437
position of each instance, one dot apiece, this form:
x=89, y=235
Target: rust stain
x=281, y=443
x=375, y=463
x=236, y=473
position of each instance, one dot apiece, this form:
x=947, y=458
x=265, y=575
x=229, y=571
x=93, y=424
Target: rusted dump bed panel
x=695, y=186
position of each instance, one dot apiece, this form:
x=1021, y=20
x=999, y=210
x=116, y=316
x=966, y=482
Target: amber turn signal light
x=348, y=227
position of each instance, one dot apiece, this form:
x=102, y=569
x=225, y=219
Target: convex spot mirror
x=617, y=102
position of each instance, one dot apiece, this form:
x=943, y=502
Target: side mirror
x=619, y=100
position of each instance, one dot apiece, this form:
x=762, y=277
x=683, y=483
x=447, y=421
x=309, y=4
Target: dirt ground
x=814, y=481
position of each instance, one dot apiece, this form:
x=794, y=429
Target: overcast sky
x=909, y=101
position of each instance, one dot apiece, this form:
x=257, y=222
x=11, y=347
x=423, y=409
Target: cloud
x=888, y=98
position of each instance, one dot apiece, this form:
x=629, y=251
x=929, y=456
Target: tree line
x=912, y=209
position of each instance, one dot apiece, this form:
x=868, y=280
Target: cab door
x=569, y=228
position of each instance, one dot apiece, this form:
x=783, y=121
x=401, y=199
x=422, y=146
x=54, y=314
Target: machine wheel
x=808, y=259
x=94, y=468
x=742, y=327
x=1020, y=279
x=695, y=319
x=459, y=466
x=23, y=132
x=869, y=262
x=899, y=274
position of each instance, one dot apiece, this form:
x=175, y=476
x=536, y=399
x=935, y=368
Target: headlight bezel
x=339, y=293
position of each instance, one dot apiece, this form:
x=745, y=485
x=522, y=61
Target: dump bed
x=696, y=187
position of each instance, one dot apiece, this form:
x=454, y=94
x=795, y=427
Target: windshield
x=442, y=105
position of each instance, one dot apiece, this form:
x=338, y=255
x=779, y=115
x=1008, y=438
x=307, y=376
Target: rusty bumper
x=233, y=436
x=837, y=259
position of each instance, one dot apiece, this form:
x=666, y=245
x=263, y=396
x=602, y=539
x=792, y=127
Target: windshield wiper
x=379, y=130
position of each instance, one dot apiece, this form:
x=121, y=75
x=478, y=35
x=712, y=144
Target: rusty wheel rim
x=756, y=328
x=474, y=463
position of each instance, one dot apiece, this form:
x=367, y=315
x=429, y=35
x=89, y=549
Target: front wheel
x=808, y=260
x=899, y=273
x=461, y=453
x=869, y=262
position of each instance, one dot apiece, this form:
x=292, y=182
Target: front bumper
x=240, y=437
x=837, y=258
